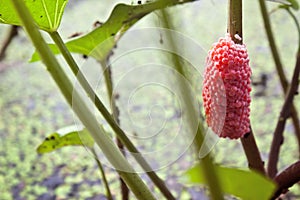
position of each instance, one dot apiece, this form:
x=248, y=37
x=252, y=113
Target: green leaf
x=284, y=6
x=46, y=13
x=248, y=185
x=101, y=40
x=287, y=3
x=72, y=138
x=294, y=4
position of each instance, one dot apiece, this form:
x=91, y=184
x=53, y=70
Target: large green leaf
x=46, y=13
x=100, y=41
x=248, y=185
x=72, y=138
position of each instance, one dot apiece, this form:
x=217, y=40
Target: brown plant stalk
x=286, y=179
x=284, y=114
x=235, y=26
x=280, y=72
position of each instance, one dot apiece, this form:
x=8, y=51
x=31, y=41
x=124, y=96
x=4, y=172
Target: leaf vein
x=46, y=11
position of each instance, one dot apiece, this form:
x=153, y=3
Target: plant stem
x=279, y=68
x=13, y=32
x=235, y=20
x=108, y=193
x=297, y=26
x=235, y=26
x=193, y=120
x=284, y=114
x=115, y=112
x=108, y=117
x=80, y=108
x=287, y=179
x=273, y=47
x=252, y=153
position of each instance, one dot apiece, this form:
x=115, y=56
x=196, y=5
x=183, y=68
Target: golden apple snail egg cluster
x=226, y=89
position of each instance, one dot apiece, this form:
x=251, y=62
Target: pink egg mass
x=226, y=89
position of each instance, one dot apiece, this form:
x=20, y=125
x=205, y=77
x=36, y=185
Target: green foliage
x=100, y=41
x=294, y=4
x=247, y=185
x=287, y=4
x=74, y=138
x=46, y=13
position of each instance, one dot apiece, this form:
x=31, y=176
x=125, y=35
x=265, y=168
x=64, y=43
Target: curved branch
x=287, y=178
x=297, y=25
x=279, y=66
x=284, y=114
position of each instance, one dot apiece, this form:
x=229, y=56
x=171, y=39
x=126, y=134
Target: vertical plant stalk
x=115, y=112
x=206, y=163
x=279, y=68
x=252, y=153
x=108, y=117
x=108, y=147
x=235, y=26
x=102, y=172
x=235, y=20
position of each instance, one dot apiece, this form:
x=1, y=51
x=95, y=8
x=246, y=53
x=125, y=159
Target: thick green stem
x=193, y=119
x=80, y=108
x=235, y=29
x=102, y=172
x=108, y=117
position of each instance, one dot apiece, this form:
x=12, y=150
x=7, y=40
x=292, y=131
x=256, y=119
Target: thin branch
x=115, y=112
x=278, y=64
x=295, y=120
x=279, y=67
x=297, y=25
x=102, y=172
x=235, y=26
x=13, y=32
x=287, y=179
x=284, y=114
